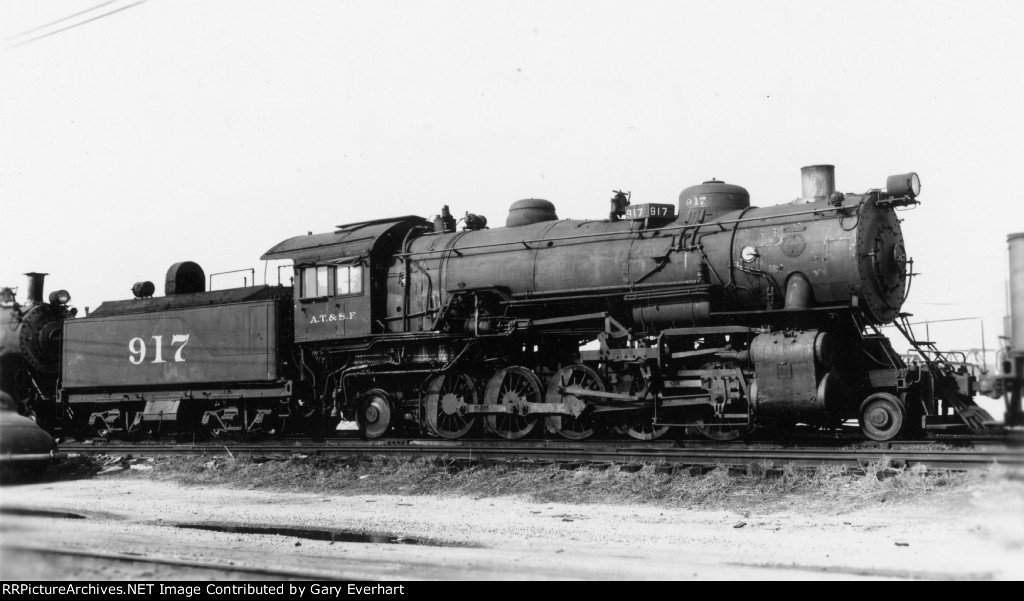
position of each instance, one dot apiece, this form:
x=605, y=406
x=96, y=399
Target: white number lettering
x=137, y=347
x=183, y=339
x=159, y=343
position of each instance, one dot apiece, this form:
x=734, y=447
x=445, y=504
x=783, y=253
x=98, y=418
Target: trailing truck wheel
x=375, y=412
x=882, y=416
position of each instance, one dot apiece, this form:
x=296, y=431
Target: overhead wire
x=80, y=23
x=61, y=20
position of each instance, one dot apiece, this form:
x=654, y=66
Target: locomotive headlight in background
x=60, y=297
x=904, y=184
x=748, y=254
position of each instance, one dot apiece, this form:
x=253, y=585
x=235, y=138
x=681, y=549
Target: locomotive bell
x=819, y=182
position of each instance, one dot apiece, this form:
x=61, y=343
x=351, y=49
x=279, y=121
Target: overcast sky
x=209, y=131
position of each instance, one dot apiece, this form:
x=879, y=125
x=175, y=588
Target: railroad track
x=129, y=563
x=671, y=453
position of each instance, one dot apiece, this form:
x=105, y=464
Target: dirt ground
x=974, y=530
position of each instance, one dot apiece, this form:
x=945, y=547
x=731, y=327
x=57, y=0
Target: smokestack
x=819, y=181
x=35, y=287
x=1016, y=244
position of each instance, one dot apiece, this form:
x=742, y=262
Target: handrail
x=624, y=232
x=244, y=282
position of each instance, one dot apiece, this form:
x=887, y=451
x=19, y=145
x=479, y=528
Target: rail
x=196, y=568
x=673, y=453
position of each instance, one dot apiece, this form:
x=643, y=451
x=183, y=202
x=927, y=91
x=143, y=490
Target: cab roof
x=353, y=239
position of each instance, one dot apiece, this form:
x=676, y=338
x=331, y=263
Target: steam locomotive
x=30, y=337
x=710, y=316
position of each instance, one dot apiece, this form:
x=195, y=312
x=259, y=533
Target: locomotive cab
x=331, y=300
x=341, y=277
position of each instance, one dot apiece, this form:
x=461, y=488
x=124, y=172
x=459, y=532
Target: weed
x=764, y=486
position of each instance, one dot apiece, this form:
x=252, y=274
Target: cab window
x=315, y=282
x=349, y=279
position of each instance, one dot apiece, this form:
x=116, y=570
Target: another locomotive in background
x=30, y=343
x=716, y=317
x=1006, y=381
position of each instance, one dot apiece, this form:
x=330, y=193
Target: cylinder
x=819, y=181
x=1016, y=244
x=792, y=381
x=35, y=287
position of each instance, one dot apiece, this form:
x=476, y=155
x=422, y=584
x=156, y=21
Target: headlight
x=904, y=184
x=60, y=297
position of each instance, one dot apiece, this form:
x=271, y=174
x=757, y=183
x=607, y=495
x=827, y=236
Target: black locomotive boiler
x=710, y=315
x=30, y=340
